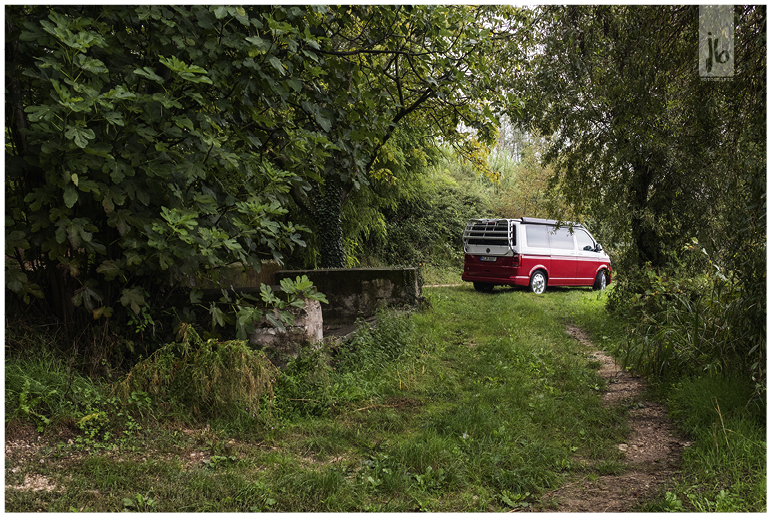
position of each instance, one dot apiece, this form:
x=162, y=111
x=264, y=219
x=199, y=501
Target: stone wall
x=352, y=294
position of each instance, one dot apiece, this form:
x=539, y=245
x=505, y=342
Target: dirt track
x=652, y=451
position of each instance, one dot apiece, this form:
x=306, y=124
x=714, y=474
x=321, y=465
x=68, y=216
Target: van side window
x=561, y=238
x=537, y=236
x=584, y=241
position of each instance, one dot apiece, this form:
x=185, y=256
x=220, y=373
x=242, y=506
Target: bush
x=371, y=348
x=302, y=389
x=691, y=319
x=318, y=380
x=39, y=385
x=427, y=226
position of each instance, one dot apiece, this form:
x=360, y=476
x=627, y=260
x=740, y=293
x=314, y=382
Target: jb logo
x=722, y=56
x=716, y=41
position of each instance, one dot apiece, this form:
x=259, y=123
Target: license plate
x=488, y=258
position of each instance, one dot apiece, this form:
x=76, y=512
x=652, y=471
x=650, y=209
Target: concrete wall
x=359, y=293
x=237, y=277
x=352, y=294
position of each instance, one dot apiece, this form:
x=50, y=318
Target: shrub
x=371, y=348
x=40, y=386
x=320, y=379
x=691, y=319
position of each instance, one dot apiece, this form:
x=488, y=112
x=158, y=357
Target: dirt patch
x=652, y=451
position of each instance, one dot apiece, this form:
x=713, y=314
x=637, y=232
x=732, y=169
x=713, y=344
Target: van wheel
x=483, y=287
x=601, y=281
x=538, y=282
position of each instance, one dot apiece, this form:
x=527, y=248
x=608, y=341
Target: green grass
x=482, y=402
x=442, y=274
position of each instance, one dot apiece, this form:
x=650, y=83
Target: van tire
x=538, y=282
x=483, y=287
x=601, y=281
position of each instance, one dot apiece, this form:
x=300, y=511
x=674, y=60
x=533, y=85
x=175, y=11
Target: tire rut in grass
x=652, y=450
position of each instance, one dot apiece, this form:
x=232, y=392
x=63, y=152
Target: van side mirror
x=598, y=248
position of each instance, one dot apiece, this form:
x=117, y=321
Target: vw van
x=534, y=253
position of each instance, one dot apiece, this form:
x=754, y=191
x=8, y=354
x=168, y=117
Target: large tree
x=389, y=67
x=637, y=137
x=145, y=144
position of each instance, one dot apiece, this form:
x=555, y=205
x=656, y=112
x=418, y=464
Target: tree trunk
x=644, y=235
x=328, y=209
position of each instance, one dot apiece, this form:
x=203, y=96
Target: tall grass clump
x=41, y=386
x=320, y=380
x=372, y=348
x=727, y=469
x=42, y=389
x=200, y=380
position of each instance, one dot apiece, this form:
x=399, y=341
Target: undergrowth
x=199, y=380
x=481, y=402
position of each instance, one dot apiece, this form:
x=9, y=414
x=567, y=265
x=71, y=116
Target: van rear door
x=537, y=253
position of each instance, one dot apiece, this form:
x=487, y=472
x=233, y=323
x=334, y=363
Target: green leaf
x=295, y=84
x=105, y=312
x=40, y=113
x=148, y=73
x=217, y=316
x=79, y=135
x=259, y=43
x=275, y=62
x=133, y=298
x=110, y=269
x=70, y=195
x=17, y=239
x=87, y=295
x=89, y=64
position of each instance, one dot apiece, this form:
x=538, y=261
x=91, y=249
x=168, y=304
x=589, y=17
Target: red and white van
x=532, y=252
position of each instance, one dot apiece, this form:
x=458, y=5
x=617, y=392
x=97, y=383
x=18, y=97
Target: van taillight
x=509, y=261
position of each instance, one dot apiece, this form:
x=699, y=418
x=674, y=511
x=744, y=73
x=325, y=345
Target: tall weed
x=727, y=469
x=42, y=388
x=372, y=348
x=319, y=380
